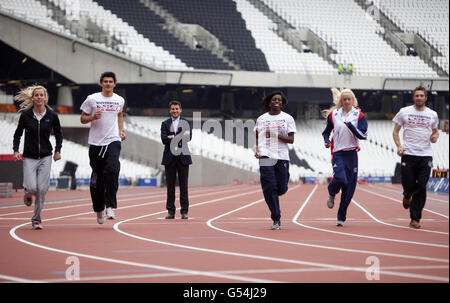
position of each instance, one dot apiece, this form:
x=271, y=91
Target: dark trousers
x=104, y=161
x=274, y=182
x=174, y=168
x=345, y=178
x=415, y=174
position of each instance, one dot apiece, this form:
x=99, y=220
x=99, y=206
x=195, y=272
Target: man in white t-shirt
x=274, y=131
x=104, y=111
x=419, y=130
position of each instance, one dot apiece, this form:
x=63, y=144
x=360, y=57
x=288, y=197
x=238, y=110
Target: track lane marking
x=295, y=220
x=398, y=201
x=13, y=234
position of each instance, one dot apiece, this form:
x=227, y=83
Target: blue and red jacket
x=347, y=129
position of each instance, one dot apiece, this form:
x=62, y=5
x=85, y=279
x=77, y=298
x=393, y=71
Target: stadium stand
x=250, y=38
x=223, y=21
x=150, y=25
x=33, y=11
x=429, y=19
x=71, y=151
x=281, y=57
x=347, y=28
x=133, y=43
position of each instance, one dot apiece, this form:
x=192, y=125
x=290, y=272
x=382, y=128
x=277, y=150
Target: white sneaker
x=36, y=226
x=101, y=217
x=110, y=213
x=276, y=226
x=330, y=201
x=340, y=223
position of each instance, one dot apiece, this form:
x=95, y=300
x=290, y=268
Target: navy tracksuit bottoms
x=345, y=178
x=274, y=182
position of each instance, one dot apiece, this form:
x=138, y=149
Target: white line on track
x=283, y=260
x=404, y=227
x=119, y=200
x=297, y=215
x=13, y=234
x=315, y=245
x=16, y=279
x=398, y=201
x=337, y=267
x=236, y=272
x=400, y=193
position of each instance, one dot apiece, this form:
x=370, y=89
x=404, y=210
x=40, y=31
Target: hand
x=17, y=156
x=257, y=154
x=271, y=134
x=122, y=135
x=328, y=145
x=97, y=115
x=170, y=136
x=400, y=151
x=186, y=133
x=57, y=156
x=434, y=138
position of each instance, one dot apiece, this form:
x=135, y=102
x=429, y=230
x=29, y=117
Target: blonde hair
x=26, y=97
x=337, y=100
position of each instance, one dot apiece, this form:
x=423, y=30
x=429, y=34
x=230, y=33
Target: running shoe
x=330, y=201
x=36, y=226
x=110, y=213
x=276, y=225
x=101, y=217
x=414, y=224
x=340, y=223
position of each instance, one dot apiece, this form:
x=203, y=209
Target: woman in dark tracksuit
x=349, y=125
x=274, y=130
x=38, y=121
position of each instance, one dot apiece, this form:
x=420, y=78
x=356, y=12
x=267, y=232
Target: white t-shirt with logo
x=283, y=124
x=417, y=129
x=106, y=129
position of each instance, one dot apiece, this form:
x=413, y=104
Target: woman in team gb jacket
x=38, y=120
x=349, y=125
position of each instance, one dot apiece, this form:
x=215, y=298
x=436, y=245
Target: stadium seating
x=347, y=28
x=32, y=11
x=222, y=20
x=429, y=19
x=71, y=151
x=281, y=57
x=251, y=37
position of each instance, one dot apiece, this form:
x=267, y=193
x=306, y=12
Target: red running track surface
x=227, y=238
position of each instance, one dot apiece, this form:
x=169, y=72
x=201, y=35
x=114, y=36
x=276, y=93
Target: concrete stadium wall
x=83, y=62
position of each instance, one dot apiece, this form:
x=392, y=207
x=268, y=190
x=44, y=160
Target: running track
x=227, y=238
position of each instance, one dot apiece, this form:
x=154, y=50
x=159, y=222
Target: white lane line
x=119, y=200
x=236, y=272
x=297, y=215
x=152, y=193
x=314, y=245
x=404, y=227
x=398, y=201
x=13, y=234
x=400, y=193
x=338, y=267
x=18, y=280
